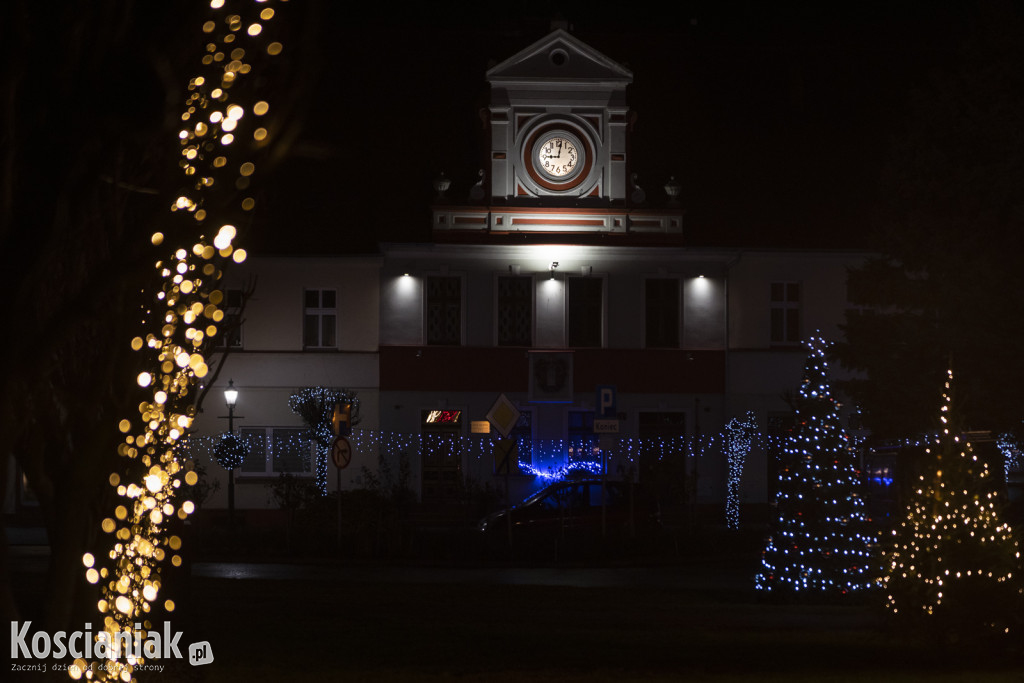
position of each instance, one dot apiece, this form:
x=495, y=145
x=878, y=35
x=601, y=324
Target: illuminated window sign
x=880, y=475
x=452, y=417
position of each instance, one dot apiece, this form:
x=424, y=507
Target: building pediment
x=559, y=58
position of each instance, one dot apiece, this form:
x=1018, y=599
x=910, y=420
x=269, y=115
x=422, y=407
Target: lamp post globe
x=231, y=398
x=231, y=394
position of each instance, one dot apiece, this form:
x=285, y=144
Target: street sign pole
x=604, y=485
x=337, y=470
x=504, y=452
x=606, y=422
x=508, y=513
x=341, y=452
x=504, y=415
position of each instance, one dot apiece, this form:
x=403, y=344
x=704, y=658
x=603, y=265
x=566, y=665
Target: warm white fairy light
x=951, y=555
x=187, y=313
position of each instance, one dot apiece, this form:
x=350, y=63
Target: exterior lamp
x=230, y=398
x=232, y=455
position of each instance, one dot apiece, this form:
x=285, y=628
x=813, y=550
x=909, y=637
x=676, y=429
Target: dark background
x=776, y=118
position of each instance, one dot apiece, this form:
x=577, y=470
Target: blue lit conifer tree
x=819, y=542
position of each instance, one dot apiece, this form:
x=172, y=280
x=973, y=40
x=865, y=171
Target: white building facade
x=687, y=339
x=294, y=323
x=557, y=278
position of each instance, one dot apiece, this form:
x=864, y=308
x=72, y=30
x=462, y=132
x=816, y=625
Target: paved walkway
x=675, y=577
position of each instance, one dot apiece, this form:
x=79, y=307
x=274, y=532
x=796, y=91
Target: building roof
x=576, y=62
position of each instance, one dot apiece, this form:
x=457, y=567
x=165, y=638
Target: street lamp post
x=230, y=398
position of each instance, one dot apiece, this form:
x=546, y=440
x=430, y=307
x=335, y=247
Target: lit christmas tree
x=820, y=541
x=315, y=405
x=739, y=439
x=952, y=561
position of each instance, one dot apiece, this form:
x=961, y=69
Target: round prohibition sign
x=341, y=452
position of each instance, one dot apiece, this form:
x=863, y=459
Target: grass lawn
x=367, y=631
x=353, y=623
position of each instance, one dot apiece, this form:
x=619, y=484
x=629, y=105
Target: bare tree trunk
x=8, y=606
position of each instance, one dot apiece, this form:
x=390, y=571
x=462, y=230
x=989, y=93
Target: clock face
x=557, y=159
x=557, y=156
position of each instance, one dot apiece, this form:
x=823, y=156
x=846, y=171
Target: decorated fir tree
x=316, y=405
x=820, y=540
x=952, y=562
x=739, y=439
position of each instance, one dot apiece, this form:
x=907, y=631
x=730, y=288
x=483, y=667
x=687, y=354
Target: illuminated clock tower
x=558, y=160
x=558, y=96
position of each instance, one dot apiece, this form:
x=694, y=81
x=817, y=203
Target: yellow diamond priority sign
x=503, y=415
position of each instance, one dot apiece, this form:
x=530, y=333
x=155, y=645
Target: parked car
x=571, y=510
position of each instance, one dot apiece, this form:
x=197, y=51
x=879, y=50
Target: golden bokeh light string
x=222, y=119
x=952, y=553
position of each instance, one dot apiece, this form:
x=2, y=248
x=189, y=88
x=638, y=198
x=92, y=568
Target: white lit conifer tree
x=952, y=561
x=819, y=543
x=315, y=405
x=739, y=439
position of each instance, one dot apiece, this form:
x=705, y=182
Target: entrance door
x=441, y=454
x=665, y=465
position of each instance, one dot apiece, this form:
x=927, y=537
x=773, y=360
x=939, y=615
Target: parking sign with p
x=604, y=406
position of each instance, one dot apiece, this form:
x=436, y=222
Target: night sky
x=775, y=117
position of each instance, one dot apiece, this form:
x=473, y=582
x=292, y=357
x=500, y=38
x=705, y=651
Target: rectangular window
x=856, y=298
x=585, y=311
x=515, y=311
x=231, y=327
x=655, y=424
x=661, y=308
x=273, y=450
x=444, y=310
x=785, y=303
x=583, y=443
x=522, y=434
x=319, y=321
x=655, y=428
x=880, y=481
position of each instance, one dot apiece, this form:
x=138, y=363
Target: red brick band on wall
x=460, y=368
